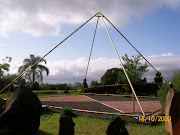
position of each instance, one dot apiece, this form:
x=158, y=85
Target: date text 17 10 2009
x=154, y=118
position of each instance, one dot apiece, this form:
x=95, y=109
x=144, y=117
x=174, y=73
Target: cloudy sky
x=36, y=26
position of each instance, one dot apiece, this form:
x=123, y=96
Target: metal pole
x=91, y=47
x=133, y=103
x=9, y=91
x=122, y=64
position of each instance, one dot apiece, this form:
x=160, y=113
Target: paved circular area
x=89, y=103
x=127, y=106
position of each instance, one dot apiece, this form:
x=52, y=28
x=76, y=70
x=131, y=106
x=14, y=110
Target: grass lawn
x=46, y=93
x=85, y=125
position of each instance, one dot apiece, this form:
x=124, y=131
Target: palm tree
x=36, y=71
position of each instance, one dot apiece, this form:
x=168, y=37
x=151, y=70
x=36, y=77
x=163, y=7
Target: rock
x=2, y=105
x=66, y=126
x=175, y=113
x=116, y=127
x=171, y=108
x=22, y=113
x=36, y=86
x=1, y=84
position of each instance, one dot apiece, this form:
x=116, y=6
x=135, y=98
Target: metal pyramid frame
x=99, y=15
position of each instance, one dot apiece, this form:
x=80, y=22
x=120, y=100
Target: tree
x=94, y=83
x=36, y=71
x=5, y=66
x=134, y=68
x=163, y=89
x=77, y=86
x=10, y=77
x=110, y=77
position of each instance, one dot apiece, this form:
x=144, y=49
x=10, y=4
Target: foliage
x=35, y=73
x=162, y=92
x=176, y=80
x=54, y=86
x=142, y=89
x=5, y=66
x=110, y=77
x=165, y=87
x=61, y=86
x=77, y=86
x=134, y=68
x=10, y=77
x=67, y=112
x=94, y=83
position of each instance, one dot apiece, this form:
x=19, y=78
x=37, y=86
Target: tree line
x=32, y=76
x=134, y=68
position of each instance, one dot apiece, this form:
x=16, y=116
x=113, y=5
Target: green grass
x=46, y=93
x=85, y=125
x=4, y=95
x=53, y=91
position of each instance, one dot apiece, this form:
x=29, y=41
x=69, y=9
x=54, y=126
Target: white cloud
x=14, y=65
x=74, y=70
x=169, y=54
x=165, y=63
x=1, y=45
x=45, y=17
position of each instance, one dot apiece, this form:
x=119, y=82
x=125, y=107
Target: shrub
x=165, y=87
x=67, y=112
x=176, y=80
x=144, y=89
x=94, y=83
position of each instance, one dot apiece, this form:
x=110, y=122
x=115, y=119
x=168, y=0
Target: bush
x=176, y=80
x=67, y=112
x=144, y=89
x=165, y=87
x=94, y=83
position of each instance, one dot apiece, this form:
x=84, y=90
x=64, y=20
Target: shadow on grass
x=43, y=133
